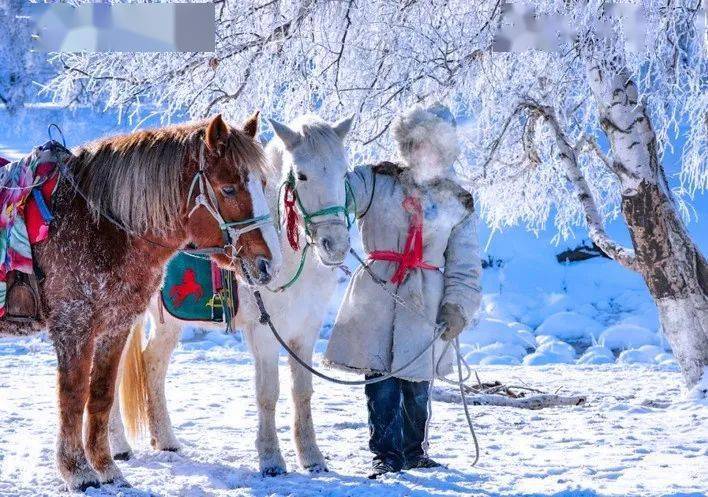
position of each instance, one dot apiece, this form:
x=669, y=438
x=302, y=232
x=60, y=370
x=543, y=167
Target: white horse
x=310, y=155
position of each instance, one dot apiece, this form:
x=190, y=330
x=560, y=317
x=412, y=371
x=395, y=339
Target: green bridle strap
x=297, y=274
x=308, y=217
x=254, y=220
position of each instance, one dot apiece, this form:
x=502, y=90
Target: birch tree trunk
x=670, y=263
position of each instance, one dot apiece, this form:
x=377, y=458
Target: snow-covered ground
x=587, y=328
x=634, y=437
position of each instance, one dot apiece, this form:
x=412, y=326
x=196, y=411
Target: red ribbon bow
x=412, y=255
x=291, y=218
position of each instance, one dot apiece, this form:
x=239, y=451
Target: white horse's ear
x=343, y=126
x=289, y=137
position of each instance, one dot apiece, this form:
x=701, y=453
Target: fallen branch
x=496, y=394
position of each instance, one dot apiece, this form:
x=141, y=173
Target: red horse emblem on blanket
x=189, y=286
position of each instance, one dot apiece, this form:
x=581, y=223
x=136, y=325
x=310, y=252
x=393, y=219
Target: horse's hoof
x=317, y=468
x=82, y=480
x=274, y=471
x=82, y=487
x=119, y=482
x=173, y=446
x=123, y=456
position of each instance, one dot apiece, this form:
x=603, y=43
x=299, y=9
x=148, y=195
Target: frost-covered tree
x=575, y=132
x=18, y=62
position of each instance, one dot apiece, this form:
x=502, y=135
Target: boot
x=422, y=462
x=381, y=466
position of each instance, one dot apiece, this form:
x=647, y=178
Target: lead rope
x=438, y=330
x=460, y=383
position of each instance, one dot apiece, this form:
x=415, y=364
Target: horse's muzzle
x=332, y=243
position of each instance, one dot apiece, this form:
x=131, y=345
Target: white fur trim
x=418, y=126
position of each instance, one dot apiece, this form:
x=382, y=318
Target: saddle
x=26, y=188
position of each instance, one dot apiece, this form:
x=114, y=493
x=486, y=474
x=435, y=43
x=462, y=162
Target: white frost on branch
x=377, y=57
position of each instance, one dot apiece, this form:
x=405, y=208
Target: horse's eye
x=301, y=177
x=228, y=190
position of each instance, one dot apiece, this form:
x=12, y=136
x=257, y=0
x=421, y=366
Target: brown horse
x=123, y=207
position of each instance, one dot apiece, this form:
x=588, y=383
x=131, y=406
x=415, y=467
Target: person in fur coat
x=418, y=230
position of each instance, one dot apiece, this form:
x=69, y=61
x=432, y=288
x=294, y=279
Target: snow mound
x=504, y=349
x=558, y=347
x=500, y=360
x=597, y=354
x=491, y=330
x=627, y=336
x=495, y=352
x=700, y=391
x=569, y=326
x=525, y=333
x=541, y=339
x=646, y=316
x=646, y=354
x=528, y=338
x=545, y=357
x=551, y=351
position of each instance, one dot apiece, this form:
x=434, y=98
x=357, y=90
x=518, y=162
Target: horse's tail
x=133, y=385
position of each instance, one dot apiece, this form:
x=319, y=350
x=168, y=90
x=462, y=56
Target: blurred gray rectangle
x=165, y=27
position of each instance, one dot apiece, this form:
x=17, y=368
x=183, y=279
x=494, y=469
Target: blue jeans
x=398, y=415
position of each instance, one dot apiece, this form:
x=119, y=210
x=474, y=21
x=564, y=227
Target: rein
x=438, y=330
x=294, y=209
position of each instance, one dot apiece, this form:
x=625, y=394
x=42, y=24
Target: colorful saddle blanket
x=26, y=188
x=195, y=289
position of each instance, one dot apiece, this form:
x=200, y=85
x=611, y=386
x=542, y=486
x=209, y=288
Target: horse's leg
x=265, y=352
x=120, y=447
x=157, y=354
x=308, y=452
x=74, y=348
x=102, y=388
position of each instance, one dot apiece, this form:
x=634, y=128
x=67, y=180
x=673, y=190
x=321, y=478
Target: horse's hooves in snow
x=317, y=468
x=123, y=456
x=274, y=471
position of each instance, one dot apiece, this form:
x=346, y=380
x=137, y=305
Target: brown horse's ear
x=250, y=127
x=216, y=135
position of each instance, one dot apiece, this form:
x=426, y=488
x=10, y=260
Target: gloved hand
x=451, y=316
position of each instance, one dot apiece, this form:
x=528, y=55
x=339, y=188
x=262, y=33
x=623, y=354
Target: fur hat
x=434, y=124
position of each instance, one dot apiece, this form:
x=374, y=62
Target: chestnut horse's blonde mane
x=139, y=178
